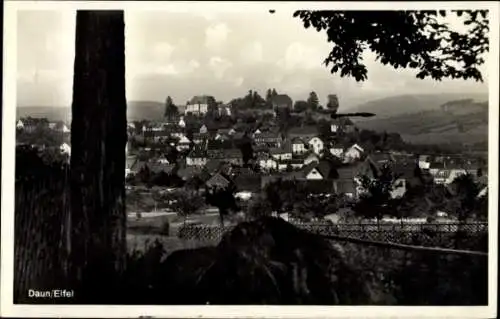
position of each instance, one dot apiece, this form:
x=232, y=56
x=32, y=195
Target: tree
x=403, y=39
x=222, y=198
x=258, y=208
x=333, y=103
x=99, y=135
x=274, y=93
x=245, y=146
x=269, y=97
x=300, y=106
x=170, y=108
x=185, y=203
x=313, y=101
x=376, y=199
x=466, y=192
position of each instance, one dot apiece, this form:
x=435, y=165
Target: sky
x=182, y=54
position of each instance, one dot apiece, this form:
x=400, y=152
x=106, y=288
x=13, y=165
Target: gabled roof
x=189, y=172
x=218, y=180
x=267, y=135
x=298, y=140
x=303, y=131
x=197, y=152
x=202, y=99
x=323, y=167
x=232, y=153
x=213, y=165
x=381, y=157
x=156, y=167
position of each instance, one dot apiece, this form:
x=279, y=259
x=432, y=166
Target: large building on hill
x=200, y=105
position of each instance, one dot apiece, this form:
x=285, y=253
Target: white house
x=203, y=129
x=317, y=145
x=353, y=153
x=65, y=149
x=281, y=154
x=196, y=108
x=318, y=172
x=183, y=143
x=298, y=146
x=337, y=151
x=311, y=158
x=268, y=163
x=182, y=123
x=199, y=104
x=65, y=129
x=20, y=125
x=163, y=160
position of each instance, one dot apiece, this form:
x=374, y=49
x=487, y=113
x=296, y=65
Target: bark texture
x=98, y=247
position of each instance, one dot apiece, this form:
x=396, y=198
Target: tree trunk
x=98, y=156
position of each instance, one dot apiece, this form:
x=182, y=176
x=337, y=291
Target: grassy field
x=144, y=231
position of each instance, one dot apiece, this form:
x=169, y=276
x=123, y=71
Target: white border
x=8, y=160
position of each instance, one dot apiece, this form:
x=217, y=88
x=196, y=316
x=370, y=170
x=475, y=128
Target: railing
x=445, y=235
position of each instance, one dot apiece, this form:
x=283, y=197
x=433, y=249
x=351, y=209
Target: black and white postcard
x=250, y=159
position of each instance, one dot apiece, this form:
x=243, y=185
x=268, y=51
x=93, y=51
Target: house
x=316, y=145
x=282, y=101
x=353, y=153
x=197, y=157
x=337, y=150
x=312, y=157
x=256, y=132
x=183, y=144
x=315, y=171
x=181, y=122
x=282, y=153
x=129, y=163
x=199, y=105
x=270, y=139
x=267, y=162
x=157, y=168
x=381, y=158
x=203, y=129
x=290, y=163
x=249, y=182
x=224, y=110
x=218, y=181
x=298, y=146
x=30, y=124
x=305, y=132
x=233, y=156
x=346, y=187
x=20, y=125
x=65, y=149
x=62, y=127
x=163, y=159
x=406, y=177
x=200, y=138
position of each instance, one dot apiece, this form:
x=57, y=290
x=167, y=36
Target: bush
x=165, y=228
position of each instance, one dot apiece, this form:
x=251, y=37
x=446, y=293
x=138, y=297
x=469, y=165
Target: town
x=251, y=143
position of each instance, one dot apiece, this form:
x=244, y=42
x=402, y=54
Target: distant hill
x=409, y=104
x=453, y=121
x=136, y=110
x=52, y=113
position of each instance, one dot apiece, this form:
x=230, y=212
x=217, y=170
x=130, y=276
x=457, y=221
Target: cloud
x=219, y=66
x=216, y=36
x=162, y=51
x=300, y=56
x=252, y=53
